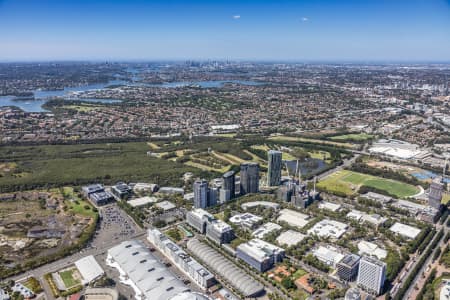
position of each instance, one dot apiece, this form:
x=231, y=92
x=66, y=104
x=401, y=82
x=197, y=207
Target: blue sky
x=320, y=30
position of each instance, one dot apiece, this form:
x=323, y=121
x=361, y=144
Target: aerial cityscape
x=203, y=150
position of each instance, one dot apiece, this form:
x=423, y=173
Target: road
x=114, y=228
x=441, y=243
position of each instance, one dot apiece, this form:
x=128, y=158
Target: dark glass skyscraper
x=249, y=178
x=274, y=171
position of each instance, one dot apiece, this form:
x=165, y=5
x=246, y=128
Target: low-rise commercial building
x=121, y=191
x=328, y=228
x=328, y=255
x=264, y=229
x=219, y=232
x=290, y=238
x=259, y=254
x=246, y=220
x=199, y=218
x=371, y=249
x=181, y=259
x=89, y=269
x=293, y=218
x=406, y=231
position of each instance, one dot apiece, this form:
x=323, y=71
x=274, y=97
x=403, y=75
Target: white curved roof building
x=226, y=269
x=148, y=277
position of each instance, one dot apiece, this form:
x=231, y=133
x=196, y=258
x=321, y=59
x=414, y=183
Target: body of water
x=41, y=97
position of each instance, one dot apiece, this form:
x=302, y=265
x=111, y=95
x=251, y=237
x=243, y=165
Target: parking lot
x=115, y=226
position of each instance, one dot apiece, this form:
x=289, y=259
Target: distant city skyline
x=321, y=30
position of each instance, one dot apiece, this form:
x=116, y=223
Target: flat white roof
x=259, y=249
x=260, y=203
x=166, y=205
x=293, y=218
x=328, y=228
x=371, y=249
x=245, y=218
x=89, y=269
x=142, y=201
x=329, y=205
x=328, y=255
x=290, y=238
x=405, y=230
x=265, y=229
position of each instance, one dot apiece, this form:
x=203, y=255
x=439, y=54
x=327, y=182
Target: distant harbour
x=31, y=104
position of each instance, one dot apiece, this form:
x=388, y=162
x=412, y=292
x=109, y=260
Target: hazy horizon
x=291, y=31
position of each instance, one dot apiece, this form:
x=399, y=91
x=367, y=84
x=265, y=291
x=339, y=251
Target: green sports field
x=68, y=279
x=348, y=182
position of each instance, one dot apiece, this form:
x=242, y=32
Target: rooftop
x=405, y=230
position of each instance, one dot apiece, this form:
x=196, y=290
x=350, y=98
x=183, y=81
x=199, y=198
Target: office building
x=260, y=254
x=274, y=159
x=224, y=195
x=213, y=196
x=249, y=178
x=198, y=219
x=246, y=220
x=347, y=268
x=371, y=275
x=328, y=255
x=181, y=259
x=96, y=194
x=435, y=193
x=201, y=191
x=219, y=232
x=121, y=191
x=229, y=183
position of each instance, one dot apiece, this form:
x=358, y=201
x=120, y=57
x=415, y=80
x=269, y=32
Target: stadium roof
x=225, y=268
x=89, y=269
x=147, y=276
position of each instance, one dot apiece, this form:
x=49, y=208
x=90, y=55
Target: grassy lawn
x=67, y=278
x=348, y=182
x=261, y=147
x=287, y=156
x=352, y=136
x=299, y=273
x=206, y=168
x=301, y=139
x=300, y=294
x=256, y=158
x=79, y=206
